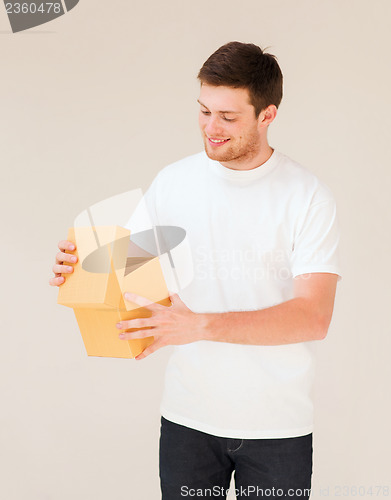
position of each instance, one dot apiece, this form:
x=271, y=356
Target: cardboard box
x=109, y=265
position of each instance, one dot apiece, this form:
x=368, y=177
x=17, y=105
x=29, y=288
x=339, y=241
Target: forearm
x=286, y=323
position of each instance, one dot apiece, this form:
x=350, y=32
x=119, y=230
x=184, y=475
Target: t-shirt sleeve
x=315, y=247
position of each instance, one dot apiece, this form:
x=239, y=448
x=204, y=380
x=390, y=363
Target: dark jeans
x=194, y=464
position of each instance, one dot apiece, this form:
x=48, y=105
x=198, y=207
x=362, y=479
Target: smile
x=217, y=142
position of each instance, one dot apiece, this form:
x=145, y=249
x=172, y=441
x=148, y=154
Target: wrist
x=206, y=329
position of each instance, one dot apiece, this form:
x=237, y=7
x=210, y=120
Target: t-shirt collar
x=245, y=175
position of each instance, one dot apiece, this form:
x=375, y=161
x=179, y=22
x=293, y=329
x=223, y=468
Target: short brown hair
x=245, y=65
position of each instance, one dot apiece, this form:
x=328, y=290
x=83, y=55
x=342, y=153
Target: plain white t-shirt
x=250, y=233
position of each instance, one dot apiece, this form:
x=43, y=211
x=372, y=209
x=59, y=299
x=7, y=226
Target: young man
x=264, y=237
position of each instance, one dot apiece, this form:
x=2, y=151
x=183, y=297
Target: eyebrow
x=223, y=112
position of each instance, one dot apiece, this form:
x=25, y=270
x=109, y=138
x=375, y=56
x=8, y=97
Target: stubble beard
x=235, y=153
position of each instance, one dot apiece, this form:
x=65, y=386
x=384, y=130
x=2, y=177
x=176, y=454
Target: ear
x=267, y=115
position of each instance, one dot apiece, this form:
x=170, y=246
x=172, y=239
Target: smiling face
x=232, y=134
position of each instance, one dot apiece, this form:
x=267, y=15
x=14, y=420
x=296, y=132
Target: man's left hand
x=173, y=325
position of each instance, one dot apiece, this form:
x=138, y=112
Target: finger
x=136, y=323
x=149, y=350
x=59, y=280
x=58, y=269
x=142, y=301
x=138, y=334
x=66, y=245
x=65, y=257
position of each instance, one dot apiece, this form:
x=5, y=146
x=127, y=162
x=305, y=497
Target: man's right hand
x=63, y=261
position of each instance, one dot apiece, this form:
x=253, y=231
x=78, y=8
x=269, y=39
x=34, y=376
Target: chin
x=217, y=155
x=214, y=155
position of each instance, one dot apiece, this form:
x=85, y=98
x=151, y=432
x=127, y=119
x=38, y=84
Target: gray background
x=96, y=103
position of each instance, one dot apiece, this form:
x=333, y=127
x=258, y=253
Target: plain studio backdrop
x=95, y=103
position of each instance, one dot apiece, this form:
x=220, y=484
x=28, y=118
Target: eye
x=205, y=112
x=228, y=119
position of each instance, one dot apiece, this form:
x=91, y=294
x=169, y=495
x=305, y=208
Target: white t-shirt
x=250, y=233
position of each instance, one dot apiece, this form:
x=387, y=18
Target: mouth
x=217, y=142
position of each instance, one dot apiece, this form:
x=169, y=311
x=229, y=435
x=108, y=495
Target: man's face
x=230, y=131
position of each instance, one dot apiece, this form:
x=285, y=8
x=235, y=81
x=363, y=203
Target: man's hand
x=62, y=260
x=174, y=325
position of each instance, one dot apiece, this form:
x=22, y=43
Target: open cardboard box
x=109, y=265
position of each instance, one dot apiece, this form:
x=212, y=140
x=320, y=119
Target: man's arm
x=305, y=317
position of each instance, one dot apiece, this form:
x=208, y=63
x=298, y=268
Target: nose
x=213, y=127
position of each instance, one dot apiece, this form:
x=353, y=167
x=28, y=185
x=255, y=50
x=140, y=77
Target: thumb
x=178, y=302
x=174, y=297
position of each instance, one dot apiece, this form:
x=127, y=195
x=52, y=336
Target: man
x=263, y=235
